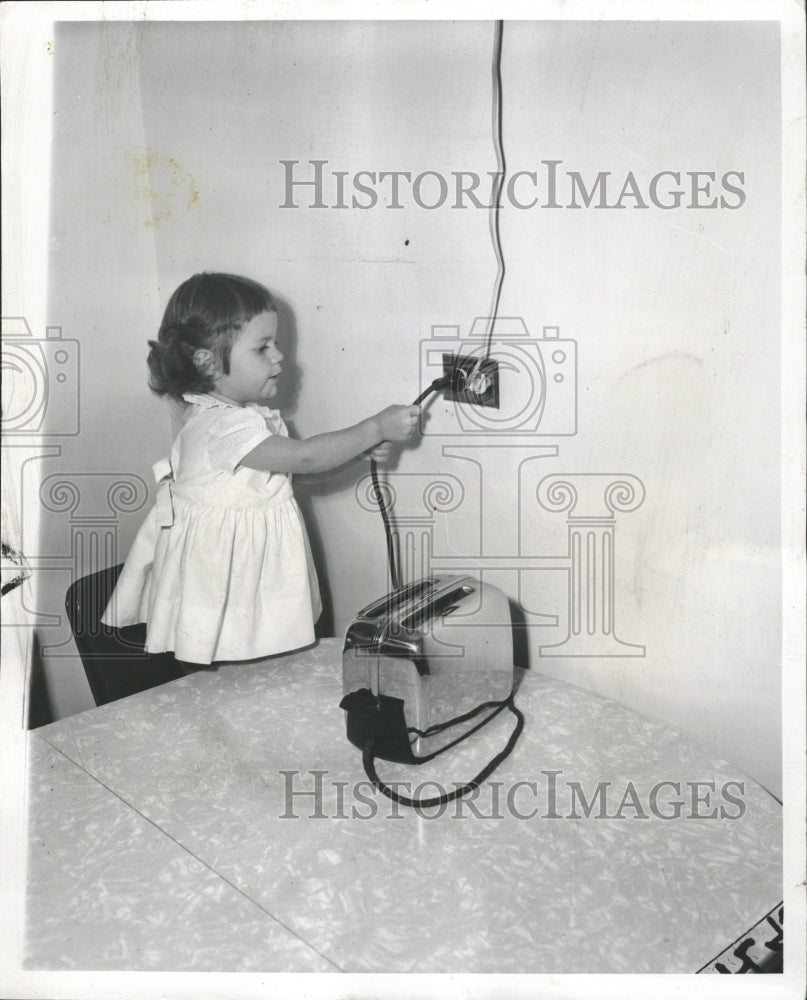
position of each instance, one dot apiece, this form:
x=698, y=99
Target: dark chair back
x=114, y=659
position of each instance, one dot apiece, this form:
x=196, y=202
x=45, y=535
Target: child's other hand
x=380, y=454
x=398, y=423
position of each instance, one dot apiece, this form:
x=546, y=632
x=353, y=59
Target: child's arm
x=327, y=451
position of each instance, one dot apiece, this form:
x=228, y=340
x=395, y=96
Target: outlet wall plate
x=461, y=366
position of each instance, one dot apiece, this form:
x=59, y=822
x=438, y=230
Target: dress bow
x=164, y=478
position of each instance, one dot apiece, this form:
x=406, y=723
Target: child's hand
x=380, y=454
x=398, y=423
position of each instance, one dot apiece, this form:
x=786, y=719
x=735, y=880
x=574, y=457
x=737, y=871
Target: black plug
x=471, y=380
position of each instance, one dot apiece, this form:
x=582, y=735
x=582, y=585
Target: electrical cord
x=500, y=175
x=368, y=759
x=471, y=378
x=437, y=386
x=493, y=215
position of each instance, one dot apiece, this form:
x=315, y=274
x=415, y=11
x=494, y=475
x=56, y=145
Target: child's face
x=254, y=362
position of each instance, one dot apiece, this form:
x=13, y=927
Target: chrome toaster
x=443, y=645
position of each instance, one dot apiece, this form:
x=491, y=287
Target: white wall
x=104, y=294
x=166, y=161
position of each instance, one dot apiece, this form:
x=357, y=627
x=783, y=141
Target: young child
x=221, y=569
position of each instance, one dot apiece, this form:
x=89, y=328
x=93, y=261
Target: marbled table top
x=223, y=822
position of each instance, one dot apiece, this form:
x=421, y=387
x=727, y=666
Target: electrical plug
x=471, y=380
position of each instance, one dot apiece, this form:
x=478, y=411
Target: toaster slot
x=439, y=607
x=392, y=602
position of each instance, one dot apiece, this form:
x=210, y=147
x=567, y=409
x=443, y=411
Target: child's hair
x=204, y=313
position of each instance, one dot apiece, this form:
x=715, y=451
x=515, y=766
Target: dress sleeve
x=233, y=434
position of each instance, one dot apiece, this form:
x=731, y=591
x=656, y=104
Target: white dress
x=221, y=569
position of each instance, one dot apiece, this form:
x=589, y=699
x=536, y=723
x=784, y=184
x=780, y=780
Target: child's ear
x=205, y=362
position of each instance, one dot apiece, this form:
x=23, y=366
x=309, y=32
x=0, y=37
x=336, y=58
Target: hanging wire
x=494, y=207
x=493, y=223
x=501, y=172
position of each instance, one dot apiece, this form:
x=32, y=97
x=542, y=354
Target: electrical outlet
x=472, y=381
